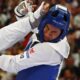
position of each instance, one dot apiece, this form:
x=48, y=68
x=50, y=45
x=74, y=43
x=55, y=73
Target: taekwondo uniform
x=39, y=61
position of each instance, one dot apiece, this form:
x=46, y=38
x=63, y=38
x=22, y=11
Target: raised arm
x=11, y=34
x=14, y=32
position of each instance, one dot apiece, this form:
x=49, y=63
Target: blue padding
x=42, y=72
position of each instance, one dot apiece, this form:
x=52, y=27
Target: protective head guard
x=57, y=16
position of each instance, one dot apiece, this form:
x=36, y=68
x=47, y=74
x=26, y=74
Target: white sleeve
x=39, y=54
x=14, y=32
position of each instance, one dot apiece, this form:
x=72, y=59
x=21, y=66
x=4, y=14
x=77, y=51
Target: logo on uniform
x=31, y=50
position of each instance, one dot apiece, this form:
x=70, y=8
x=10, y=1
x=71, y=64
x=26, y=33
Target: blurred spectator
x=76, y=54
x=71, y=39
x=11, y=4
x=77, y=21
x=74, y=41
x=3, y=19
x=76, y=57
x=68, y=74
x=70, y=71
x=52, y=2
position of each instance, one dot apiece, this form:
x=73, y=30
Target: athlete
x=45, y=50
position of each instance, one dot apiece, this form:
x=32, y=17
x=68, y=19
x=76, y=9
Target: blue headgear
x=58, y=16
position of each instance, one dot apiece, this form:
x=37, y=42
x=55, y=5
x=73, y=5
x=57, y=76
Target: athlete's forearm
x=11, y=34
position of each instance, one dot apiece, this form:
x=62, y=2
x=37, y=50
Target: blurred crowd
x=71, y=66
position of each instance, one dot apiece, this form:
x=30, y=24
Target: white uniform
x=41, y=53
x=13, y=33
x=46, y=54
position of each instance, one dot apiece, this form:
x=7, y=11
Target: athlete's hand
x=38, y=14
x=24, y=7
x=46, y=7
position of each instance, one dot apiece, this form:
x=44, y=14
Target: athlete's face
x=51, y=32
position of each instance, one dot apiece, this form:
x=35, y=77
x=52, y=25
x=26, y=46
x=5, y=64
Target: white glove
x=23, y=9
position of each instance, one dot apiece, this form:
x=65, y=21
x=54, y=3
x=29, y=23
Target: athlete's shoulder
x=62, y=47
